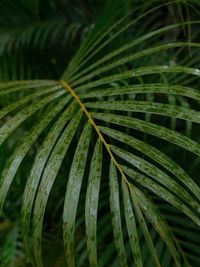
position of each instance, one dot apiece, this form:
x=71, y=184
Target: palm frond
x=100, y=143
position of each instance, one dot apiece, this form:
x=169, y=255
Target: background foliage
x=135, y=75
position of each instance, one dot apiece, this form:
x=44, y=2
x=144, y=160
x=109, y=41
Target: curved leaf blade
x=36, y=172
x=172, y=111
x=135, y=202
x=47, y=181
x=14, y=162
x=158, y=221
x=116, y=215
x=154, y=154
x=13, y=123
x=91, y=204
x=73, y=191
x=131, y=227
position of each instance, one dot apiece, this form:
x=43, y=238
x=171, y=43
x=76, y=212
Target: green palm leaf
x=97, y=132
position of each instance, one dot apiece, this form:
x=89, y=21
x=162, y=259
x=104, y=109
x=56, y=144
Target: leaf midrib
x=91, y=120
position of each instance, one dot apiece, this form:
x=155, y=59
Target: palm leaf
x=107, y=160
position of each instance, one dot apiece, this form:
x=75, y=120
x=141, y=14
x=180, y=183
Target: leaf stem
x=91, y=120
